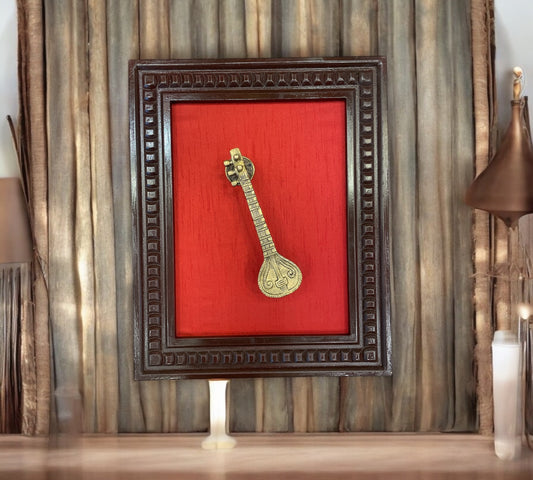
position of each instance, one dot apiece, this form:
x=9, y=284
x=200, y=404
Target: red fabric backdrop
x=299, y=152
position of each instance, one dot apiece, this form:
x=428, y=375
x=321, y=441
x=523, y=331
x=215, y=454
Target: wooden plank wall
x=483, y=236
x=32, y=141
x=87, y=243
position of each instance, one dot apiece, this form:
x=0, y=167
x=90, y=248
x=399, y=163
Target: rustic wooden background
x=74, y=124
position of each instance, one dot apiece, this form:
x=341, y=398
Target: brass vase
x=505, y=187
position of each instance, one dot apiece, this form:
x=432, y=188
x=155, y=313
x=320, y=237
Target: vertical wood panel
x=83, y=259
x=258, y=28
x=359, y=33
x=204, y=36
x=435, y=218
x=242, y=405
x=154, y=36
x=484, y=119
x=277, y=411
x=192, y=406
x=432, y=112
x=123, y=44
x=364, y=405
x=232, y=29
x=194, y=27
x=63, y=282
x=259, y=405
x=462, y=153
x=403, y=163
x=107, y=390
x=33, y=148
x=302, y=400
x=323, y=19
x=307, y=28
x=180, y=26
x=325, y=404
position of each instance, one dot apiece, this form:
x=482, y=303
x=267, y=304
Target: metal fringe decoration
x=10, y=365
x=18, y=381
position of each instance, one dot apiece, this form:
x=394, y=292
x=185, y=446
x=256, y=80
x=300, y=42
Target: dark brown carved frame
x=154, y=86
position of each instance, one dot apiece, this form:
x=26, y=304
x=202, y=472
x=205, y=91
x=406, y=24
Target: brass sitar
x=278, y=276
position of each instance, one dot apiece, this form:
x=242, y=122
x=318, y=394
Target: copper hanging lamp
x=505, y=187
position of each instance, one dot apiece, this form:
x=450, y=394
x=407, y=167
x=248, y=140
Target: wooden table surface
x=260, y=456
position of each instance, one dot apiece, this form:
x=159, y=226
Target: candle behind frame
x=218, y=438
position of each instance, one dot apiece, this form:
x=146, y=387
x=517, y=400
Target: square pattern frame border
x=361, y=83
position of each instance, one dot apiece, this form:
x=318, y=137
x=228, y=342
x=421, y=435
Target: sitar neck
x=267, y=244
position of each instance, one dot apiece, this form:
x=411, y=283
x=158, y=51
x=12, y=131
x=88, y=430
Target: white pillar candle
x=506, y=391
x=218, y=438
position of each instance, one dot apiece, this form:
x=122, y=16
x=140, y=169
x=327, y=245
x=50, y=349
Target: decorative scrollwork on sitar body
x=278, y=276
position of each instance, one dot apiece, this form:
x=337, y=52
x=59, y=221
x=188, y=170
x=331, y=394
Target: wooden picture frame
x=207, y=341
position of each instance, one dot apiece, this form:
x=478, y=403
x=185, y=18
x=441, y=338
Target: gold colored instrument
x=278, y=276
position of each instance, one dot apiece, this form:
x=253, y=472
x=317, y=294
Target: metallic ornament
x=278, y=276
x=505, y=187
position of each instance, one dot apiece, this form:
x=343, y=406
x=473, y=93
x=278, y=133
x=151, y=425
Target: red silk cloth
x=299, y=152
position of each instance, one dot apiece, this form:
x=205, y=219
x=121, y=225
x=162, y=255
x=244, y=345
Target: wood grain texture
x=123, y=43
x=63, y=286
x=232, y=29
x=181, y=28
x=434, y=190
x=400, y=45
x=277, y=407
x=242, y=405
x=258, y=25
x=482, y=41
x=105, y=333
x=82, y=250
x=86, y=199
x=154, y=35
x=194, y=29
x=263, y=457
x=33, y=151
x=359, y=21
x=462, y=150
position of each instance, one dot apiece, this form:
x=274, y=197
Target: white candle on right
x=506, y=373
